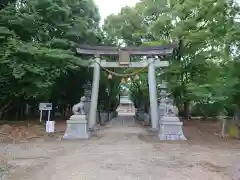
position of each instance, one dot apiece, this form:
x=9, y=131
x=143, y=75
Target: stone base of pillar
x=95, y=128
x=77, y=128
x=152, y=132
x=146, y=118
x=171, y=129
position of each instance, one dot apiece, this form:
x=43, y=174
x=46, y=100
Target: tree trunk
x=3, y=109
x=237, y=121
x=1, y=115
x=223, y=122
x=186, y=109
x=205, y=116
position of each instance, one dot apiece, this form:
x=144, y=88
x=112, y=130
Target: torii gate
x=124, y=62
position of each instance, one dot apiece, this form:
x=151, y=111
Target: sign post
x=49, y=124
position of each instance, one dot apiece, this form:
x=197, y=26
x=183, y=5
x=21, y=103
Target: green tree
x=210, y=37
x=38, y=41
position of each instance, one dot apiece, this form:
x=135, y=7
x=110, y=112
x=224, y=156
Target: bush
x=210, y=109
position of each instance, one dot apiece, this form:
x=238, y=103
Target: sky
x=107, y=7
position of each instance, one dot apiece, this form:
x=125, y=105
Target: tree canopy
x=209, y=29
x=38, y=41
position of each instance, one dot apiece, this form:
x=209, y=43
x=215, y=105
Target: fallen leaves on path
x=23, y=132
x=19, y=133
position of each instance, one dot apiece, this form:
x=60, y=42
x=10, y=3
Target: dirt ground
x=119, y=150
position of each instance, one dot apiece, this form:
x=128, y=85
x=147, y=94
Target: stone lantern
x=162, y=105
x=163, y=90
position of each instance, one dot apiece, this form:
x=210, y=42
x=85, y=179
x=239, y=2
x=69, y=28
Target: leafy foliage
x=38, y=40
x=210, y=32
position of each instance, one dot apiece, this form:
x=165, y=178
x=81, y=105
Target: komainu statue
x=170, y=124
x=171, y=109
x=166, y=107
x=78, y=109
x=77, y=127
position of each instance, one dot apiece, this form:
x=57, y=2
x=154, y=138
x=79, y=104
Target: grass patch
x=4, y=169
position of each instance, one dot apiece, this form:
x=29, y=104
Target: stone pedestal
x=103, y=117
x=171, y=129
x=77, y=128
x=140, y=115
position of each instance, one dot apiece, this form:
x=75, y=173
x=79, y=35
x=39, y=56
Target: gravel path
x=122, y=150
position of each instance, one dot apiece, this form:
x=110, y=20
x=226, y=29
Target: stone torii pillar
x=95, y=89
x=153, y=93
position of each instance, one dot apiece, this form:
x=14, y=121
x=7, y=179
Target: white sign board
x=45, y=106
x=50, y=126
